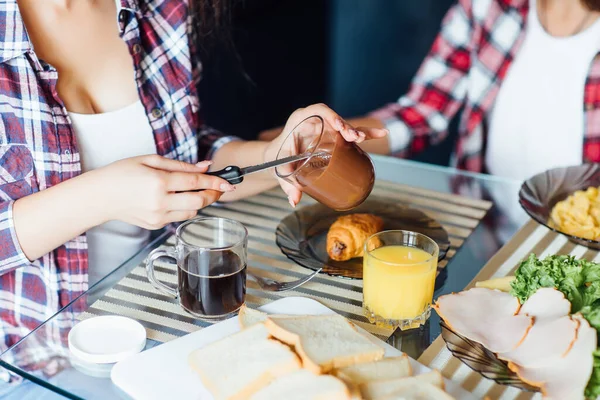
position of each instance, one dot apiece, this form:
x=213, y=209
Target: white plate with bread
x=293, y=348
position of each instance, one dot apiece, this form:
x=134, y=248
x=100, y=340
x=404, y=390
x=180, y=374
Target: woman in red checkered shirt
x=527, y=74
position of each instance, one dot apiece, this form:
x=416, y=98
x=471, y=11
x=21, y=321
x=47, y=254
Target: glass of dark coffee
x=211, y=258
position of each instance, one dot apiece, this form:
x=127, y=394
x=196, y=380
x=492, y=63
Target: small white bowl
x=106, y=339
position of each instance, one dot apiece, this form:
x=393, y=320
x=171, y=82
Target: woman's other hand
x=153, y=191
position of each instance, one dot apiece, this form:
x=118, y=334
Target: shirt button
x=156, y=112
x=136, y=48
x=67, y=152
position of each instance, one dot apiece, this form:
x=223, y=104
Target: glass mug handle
x=153, y=256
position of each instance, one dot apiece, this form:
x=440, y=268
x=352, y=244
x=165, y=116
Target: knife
x=235, y=175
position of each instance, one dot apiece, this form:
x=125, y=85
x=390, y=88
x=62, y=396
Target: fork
x=276, y=286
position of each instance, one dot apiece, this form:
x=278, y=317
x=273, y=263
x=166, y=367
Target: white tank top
x=537, y=121
x=103, y=139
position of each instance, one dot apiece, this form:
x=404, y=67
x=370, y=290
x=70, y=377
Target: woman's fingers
x=361, y=134
x=184, y=181
x=337, y=122
x=166, y=164
x=348, y=132
x=372, y=133
x=294, y=195
x=178, y=216
x=179, y=176
x=204, y=166
x=191, y=201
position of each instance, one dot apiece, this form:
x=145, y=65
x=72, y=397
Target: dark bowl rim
x=545, y=223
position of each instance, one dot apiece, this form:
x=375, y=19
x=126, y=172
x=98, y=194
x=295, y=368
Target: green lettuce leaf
x=591, y=271
x=592, y=314
x=591, y=293
x=564, y=273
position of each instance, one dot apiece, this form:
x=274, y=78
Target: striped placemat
x=165, y=320
x=532, y=238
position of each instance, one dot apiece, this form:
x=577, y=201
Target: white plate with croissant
x=318, y=237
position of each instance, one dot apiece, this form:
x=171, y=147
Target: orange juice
x=398, y=282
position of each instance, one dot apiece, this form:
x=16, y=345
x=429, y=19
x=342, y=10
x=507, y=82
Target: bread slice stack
x=311, y=357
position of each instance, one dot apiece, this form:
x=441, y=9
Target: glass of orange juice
x=398, y=278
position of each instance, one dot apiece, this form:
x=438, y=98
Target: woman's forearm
x=47, y=219
x=243, y=154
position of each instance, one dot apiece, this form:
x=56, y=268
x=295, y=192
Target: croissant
x=347, y=235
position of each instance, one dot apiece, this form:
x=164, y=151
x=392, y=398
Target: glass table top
x=42, y=357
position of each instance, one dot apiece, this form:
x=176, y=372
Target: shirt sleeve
x=210, y=141
x=11, y=254
x=421, y=117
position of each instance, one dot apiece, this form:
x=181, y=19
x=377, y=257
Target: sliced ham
x=567, y=377
x=546, y=303
x=485, y=316
x=547, y=342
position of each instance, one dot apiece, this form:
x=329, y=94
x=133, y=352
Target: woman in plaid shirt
x=527, y=75
x=99, y=130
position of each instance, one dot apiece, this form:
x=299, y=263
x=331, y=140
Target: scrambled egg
x=579, y=214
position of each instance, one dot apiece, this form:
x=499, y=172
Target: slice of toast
x=324, y=342
x=381, y=389
x=241, y=364
x=304, y=385
x=249, y=316
x=384, y=369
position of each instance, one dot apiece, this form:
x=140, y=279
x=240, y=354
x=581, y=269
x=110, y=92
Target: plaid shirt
x=465, y=67
x=37, y=144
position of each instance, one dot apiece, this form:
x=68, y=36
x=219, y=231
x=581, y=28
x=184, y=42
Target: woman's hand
x=144, y=190
x=350, y=133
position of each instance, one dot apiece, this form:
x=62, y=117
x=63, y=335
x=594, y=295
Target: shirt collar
x=14, y=40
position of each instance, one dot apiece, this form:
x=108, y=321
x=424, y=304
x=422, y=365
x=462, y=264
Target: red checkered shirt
x=38, y=150
x=465, y=67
